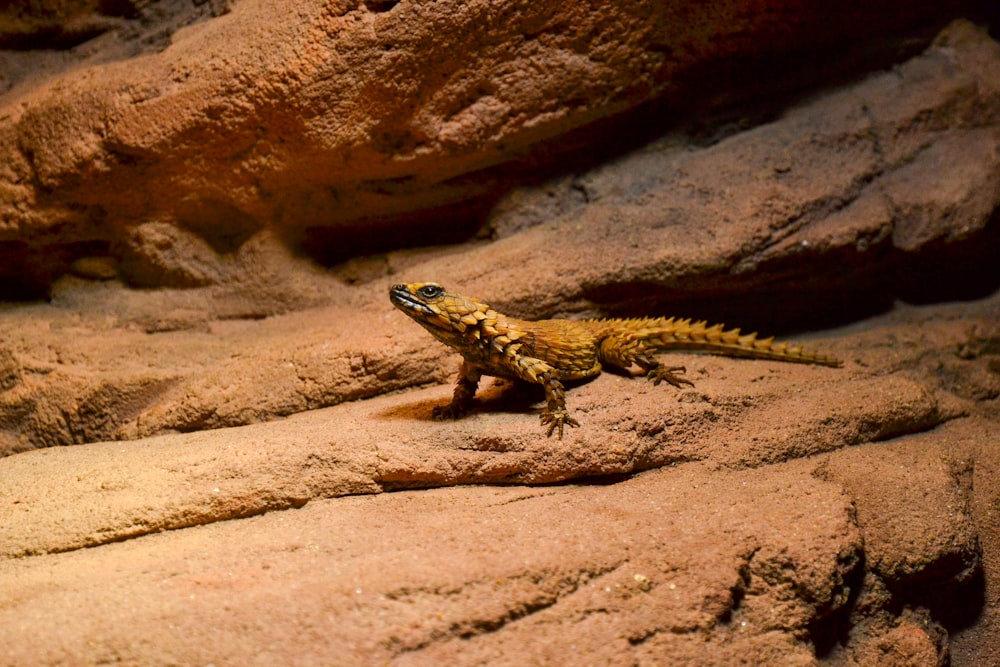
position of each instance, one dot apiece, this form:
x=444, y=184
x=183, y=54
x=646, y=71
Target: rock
x=907, y=536
x=275, y=115
x=94, y=268
x=160, y=254
x=523, y=563
x=668, y=229
x=258, y=478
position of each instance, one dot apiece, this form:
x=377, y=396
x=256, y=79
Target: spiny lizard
x=547, y=352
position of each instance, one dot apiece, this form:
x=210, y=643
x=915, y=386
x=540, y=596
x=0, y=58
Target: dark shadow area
x=222, y=225
x=950, y=589
x=833, y=629
x=27, y=272
x=516, y=480
x=451, y=224
x=127, y=9
x=28, y=26
x=841, y=287
x=494, y=395
x=53, y=37
x=379, y=6
x=770, y=311
x=953, y=591
x=948, y=271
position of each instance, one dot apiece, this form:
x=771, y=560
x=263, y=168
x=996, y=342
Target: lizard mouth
x=405, y=301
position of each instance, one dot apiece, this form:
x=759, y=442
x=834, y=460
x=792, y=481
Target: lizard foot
x=555, y=419
x=669, y=374
x=450, y=411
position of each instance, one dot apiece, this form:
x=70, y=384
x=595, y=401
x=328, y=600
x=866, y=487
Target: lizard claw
x=450, y=411
x=555, y=419
x=669, y=375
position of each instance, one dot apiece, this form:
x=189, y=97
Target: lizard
x=549, y=352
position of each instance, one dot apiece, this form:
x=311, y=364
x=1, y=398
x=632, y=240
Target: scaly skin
x=547, y=352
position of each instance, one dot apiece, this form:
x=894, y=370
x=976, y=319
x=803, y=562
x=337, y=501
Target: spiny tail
x=673, y=333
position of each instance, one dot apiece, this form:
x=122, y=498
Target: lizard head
x=445, y=314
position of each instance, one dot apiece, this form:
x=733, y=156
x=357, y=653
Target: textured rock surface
x=233, y=502
x=827, y=213
x=365, y=580
x=300, y=116
x=784, y=510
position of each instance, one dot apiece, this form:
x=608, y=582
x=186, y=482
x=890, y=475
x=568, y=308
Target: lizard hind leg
x=624, y=351
x=657, y=372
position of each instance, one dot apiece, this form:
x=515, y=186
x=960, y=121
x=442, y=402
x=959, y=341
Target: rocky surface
x=892, y=190
x=329, y=121
x=784, y=511
x=234, y=500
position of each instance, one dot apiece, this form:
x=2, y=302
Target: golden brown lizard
x=547, y=352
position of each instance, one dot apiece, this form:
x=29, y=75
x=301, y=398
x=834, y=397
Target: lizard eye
x=430, y=291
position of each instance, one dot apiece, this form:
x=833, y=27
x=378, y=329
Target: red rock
x=258, y=478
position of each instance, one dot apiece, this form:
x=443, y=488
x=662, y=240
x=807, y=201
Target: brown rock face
x=257, y=478
x=303, y=117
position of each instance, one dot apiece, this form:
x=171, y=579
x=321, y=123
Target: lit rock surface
x=257, y=478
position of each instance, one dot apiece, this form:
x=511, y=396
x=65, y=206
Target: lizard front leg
x=554, y=415
x=465, y=390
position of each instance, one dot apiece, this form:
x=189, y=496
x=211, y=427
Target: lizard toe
x=669, y=375
x=557, y=419
x=450, y=411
